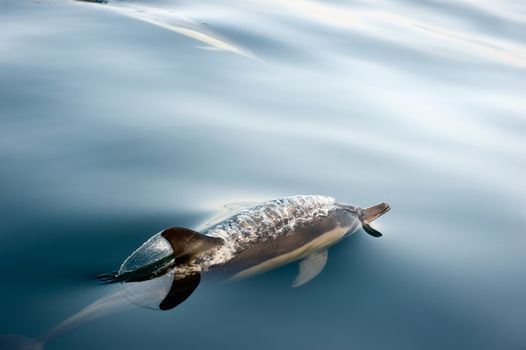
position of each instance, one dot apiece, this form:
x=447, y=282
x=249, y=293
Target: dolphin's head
x=372, y=213
x=368, y=215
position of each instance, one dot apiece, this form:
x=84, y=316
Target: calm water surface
x=112, y=129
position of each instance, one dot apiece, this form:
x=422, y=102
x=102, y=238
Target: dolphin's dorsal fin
x=186, y=242
x=310, y=267
x=181, y=289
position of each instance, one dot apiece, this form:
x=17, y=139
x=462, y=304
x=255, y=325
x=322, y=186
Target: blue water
x=112, y=129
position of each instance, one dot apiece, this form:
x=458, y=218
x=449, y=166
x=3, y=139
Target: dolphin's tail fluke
x=18, y=342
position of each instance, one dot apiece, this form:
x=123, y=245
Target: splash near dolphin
x=165, y=270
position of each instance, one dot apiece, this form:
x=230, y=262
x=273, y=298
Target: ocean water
x=113, y=128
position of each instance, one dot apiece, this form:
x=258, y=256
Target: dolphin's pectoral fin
x=186, y=242
x=181, y=289
x=310, y=267
x=367, y=228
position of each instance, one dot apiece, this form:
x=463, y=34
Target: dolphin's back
x=270, y=220
x=277, y=232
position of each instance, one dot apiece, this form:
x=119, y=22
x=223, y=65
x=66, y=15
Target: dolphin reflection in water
x=168, y=267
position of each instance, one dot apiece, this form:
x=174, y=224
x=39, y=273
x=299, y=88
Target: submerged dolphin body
x=169, y=266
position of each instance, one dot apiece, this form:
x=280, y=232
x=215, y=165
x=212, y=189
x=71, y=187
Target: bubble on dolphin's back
x=148, y=293
x=154, y=249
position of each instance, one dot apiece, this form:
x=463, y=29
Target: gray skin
x=304, y=240
x=301, y=228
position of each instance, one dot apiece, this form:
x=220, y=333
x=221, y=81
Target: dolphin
x=166, y=269
x=261, y=238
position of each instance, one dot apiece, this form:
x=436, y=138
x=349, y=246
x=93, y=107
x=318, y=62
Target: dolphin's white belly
x=322, y=242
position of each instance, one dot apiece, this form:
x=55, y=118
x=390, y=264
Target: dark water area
x=112, y=129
